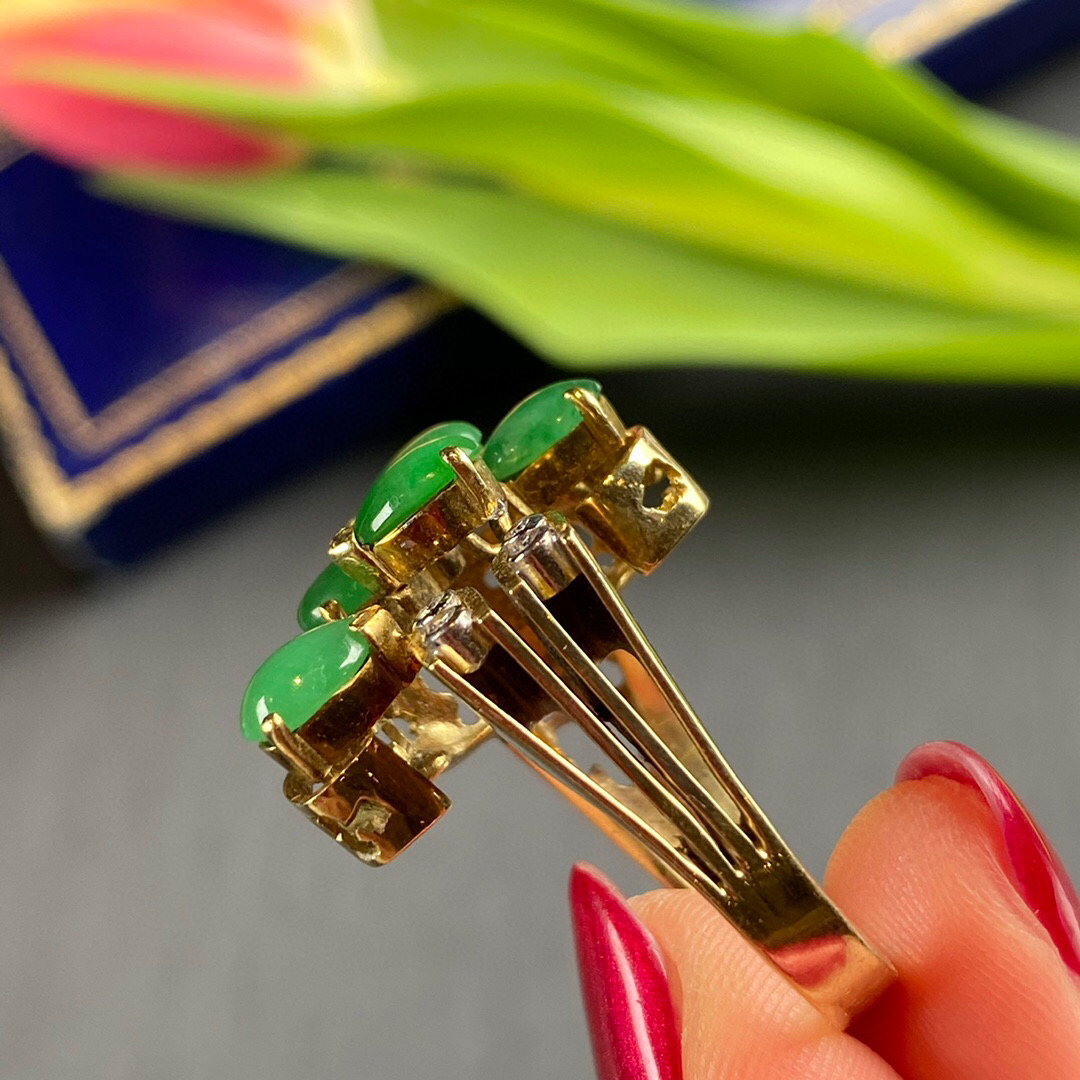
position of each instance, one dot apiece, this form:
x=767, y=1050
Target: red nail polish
x=1033, y=866
x=627, y=998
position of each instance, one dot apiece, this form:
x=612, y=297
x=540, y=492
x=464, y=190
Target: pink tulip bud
x=253, y=42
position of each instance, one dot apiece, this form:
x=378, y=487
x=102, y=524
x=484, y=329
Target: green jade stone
x=302, y=676
x=415, y=475
x=533, y=427
x=332, y=584
x=434, y=433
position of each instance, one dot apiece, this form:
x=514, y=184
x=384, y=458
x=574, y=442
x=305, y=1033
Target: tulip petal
x=93, y=130
x=89, y=130
x=282, y=14
x=191, y=42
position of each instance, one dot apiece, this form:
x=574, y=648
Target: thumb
x=948, y=875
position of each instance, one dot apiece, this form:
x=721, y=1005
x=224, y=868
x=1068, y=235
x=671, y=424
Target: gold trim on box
x=832, y=15
x=908, y=36
x=904, y=37
x=68, y=505
x=94, y=434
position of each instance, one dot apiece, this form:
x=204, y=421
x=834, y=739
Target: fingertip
x=1029, y=859
x=740, y=1015
x=922, y=872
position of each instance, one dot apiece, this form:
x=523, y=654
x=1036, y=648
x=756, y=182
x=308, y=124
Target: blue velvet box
x=153, y=373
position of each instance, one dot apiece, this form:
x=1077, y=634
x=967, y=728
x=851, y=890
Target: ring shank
x=784, y=914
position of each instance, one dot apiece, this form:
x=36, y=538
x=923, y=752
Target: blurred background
x=883, y=563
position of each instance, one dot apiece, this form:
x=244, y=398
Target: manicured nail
x=1032, y=864
x=627, y=997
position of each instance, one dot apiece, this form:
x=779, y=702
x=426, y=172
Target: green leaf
x=823, y=76
x=733, y=175
x=444, y=45
x=779, y=178
x=705, y=50
x=674, y=47
x=589, y=293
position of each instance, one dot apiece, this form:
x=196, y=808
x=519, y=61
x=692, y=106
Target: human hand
x=945, y=873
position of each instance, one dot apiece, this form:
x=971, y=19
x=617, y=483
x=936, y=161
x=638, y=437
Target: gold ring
x=497, y=569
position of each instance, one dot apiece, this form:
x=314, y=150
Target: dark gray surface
x=882, y=565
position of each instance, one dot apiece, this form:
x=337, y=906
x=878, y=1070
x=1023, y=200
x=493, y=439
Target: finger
x=926, y=872
x=741, y=1019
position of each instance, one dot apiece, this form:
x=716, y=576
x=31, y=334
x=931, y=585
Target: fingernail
x=1031, y=863
x=627, y=997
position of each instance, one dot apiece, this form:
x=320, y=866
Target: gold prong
x=360, y=562
x=599, y=416
x=514, y=500
x=484, y=491
x=330, y=611
x=295, y=752
x=342, y=543
x=620, y=574
x=485, y=547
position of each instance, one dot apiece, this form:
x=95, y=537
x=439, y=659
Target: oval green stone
x=415, y=475
x=453, y=428
x=300, y=677
x=533, y=427
x=332, y=584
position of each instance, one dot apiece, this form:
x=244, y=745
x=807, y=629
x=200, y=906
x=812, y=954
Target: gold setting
x=509, y=595
x=598, y=477
x=421, y=543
